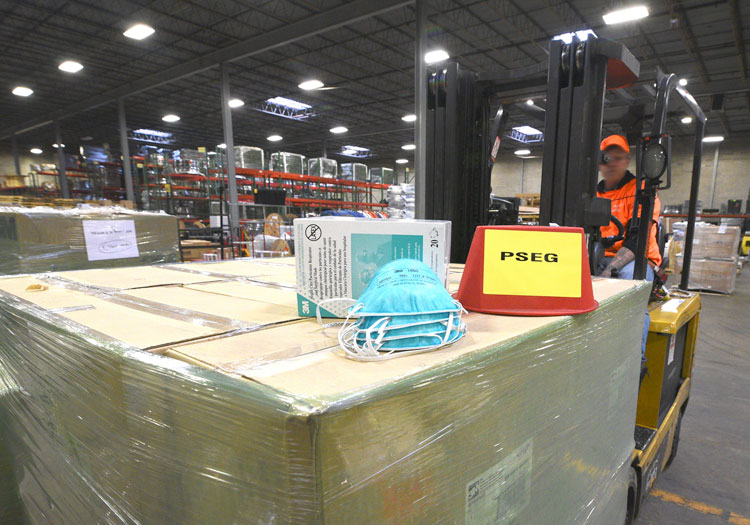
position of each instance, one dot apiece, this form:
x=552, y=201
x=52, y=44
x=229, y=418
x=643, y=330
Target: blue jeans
x=626, y=272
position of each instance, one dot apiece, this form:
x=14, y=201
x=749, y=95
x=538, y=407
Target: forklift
x=462, y=146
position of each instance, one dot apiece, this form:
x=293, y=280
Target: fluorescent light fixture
x=521, y=152
x=70, y=66
x=221, y=146
x=145, y=131
x=401, y=161
x=36, y=151
x=170, y=118
x=683, y=82
x=339, y=129
x=88, y=137
x=686, y=120
x=22, y=91
x=235, y=103
x=528, y=130
x=409, y=118
x=408, y=147
x=713, y=138
x=582, y=35
x=308, y=85
x=355, y=151
x=139, y=31
x=274, y=138
x=437, y=55
x=57, y=146
x=288, y=103
x=626, y=15
x=529, y=102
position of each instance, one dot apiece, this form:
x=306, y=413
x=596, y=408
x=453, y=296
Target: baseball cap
x=615, y=140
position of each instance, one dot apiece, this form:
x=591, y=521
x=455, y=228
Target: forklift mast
x=463, y=141
x=578, y=75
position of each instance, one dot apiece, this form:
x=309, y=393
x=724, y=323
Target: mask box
x=337, y=256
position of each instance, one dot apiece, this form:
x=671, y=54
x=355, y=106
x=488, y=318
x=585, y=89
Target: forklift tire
x=675, y=441
x=630, y=513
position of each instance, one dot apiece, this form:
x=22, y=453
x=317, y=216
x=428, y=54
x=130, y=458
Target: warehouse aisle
x=707, y=482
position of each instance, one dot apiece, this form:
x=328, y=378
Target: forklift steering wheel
x=608, y=242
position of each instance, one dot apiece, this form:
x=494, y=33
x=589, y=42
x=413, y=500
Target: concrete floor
x=709, y=480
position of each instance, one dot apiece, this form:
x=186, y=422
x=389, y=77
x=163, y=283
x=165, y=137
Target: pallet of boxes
x=714, y=259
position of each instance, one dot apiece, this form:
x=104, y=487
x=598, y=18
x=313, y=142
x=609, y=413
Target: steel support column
x=420, y=109
x=64, y=192
x=16, y=161
x=231, y=174
x=713, y=179
x=125, y=150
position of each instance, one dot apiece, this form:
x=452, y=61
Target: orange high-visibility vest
x=623, y=200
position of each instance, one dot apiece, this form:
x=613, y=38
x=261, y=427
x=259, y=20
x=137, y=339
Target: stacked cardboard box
x=193, y=394
x=714, y=258
x=43, y=239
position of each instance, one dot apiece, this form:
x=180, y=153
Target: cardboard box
x=337, y=256
x=47, y=239
x=710, y=274
x=185, y=420
x=710, y=241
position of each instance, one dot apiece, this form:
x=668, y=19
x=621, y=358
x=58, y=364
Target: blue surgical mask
x=405, y=309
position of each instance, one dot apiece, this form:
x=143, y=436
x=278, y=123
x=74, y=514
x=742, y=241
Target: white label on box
x=503, y=491
x=110, y=240
x=722, y=229
x=670, y=356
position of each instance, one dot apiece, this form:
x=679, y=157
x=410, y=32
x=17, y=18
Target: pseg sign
x=532, y=263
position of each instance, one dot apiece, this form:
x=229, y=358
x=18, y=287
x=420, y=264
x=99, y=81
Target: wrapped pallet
x=287, y=162
x=44, y=239
x=713, y=265
x=248, y=157
x=224, y=407
x=323, y=167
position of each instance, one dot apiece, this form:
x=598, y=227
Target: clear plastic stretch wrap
x=45, y=239
x=193, y=394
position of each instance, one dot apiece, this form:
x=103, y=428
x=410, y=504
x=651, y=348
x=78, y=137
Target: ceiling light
x=87, y=137
x=626, y=15
x=139, y=32
x=683, y=82
x=221, y=146
x=36, y=151
x=686, y=120
x=409, y=118
x=170, y=118
x=401, y=161
x=56, y=146
x=235, y=103
x=338, y=129
x=408, y=147
x=521, y=152
x=713, y=138
x=438, y=55
x=307, y=85
x=274, y=138
x=70, y=66
x=22, y=91
x=529, y=102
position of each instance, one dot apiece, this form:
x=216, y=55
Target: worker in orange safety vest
x=618, y=185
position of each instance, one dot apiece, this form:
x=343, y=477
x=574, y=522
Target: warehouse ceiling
x=367, y=65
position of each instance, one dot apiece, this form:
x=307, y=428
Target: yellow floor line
x=736, y=519
x=704, y=508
